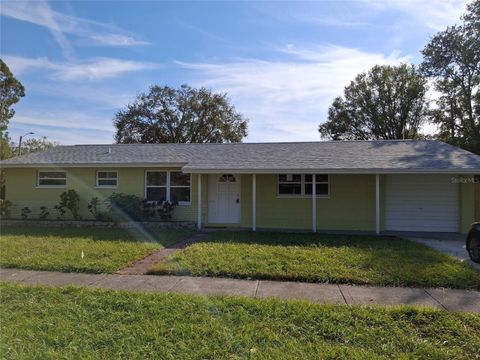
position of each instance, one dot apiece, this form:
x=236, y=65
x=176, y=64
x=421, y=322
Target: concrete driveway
x=451, y=244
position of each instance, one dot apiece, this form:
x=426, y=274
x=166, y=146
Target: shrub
x=70, y=200
x=5, y=208
x=61, y=211
x=165, y=210
x=124, y=205
x=93, y=208
x=149, y=209
x=25, y=211
x=44, y=213
x=137, y=209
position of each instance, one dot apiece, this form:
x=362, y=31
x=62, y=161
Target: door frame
x=238, y=181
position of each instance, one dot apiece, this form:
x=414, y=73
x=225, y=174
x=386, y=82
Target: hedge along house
x=372, y=186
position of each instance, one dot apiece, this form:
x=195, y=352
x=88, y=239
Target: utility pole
x=20, y=142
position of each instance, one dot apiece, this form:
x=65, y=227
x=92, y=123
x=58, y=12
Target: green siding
x=467, y=205
x=22, y=190
x=350, y=205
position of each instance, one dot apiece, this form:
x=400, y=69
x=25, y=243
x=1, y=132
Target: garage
x=421, y=203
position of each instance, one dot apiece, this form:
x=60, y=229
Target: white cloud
x=432, y=14
x=101, y=68
x=89, y=70
x=286, y=100
x=59, y=24
x=116, y=40
x=65, y=127
x=19, y=64
x=64, y=136
x=435, y=14
x=98, y=95
x=202, y=32
x=72, y=120
x=40, y=13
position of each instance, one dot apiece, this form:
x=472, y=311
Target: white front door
x=224, y=198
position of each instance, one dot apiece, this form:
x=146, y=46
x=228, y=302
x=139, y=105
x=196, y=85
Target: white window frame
x=51, y=186
x=303, y=194
x=97, y=185
x=290, y=183
x=317, y=182
x=170, y=186
x=167, y=186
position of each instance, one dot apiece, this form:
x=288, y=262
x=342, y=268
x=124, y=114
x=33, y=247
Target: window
x=321, y=187
x=297, y=185
x=156, y=186
x=168, y=185
x=52, y=178
x=107, y=179
x=227, y=178
x=290, y=184
x=179, y=187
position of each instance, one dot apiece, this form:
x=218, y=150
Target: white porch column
x=377, y=204
x=199, y=210
x=254, y=202
x=314, y=203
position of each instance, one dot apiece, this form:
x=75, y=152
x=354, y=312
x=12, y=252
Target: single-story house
x=376, y=186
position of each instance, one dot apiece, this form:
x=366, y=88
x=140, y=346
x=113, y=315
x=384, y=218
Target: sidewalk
x=447, y=299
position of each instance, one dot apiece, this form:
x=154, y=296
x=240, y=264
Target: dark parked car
x=473, y=242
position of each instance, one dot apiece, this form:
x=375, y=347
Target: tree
x=183, y=115
x=6, y=150
x=34, y=145
x=452, y=60
x=11, y=90
x=388, y=102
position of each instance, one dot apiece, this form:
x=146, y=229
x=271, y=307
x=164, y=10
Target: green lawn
x=74, y=323
x=60, y=249
x=320, y=258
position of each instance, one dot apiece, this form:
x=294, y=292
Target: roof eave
x=196, y=170
x=93, y=165
x=453, y=171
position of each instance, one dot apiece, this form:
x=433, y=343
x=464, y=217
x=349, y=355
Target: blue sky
x=281, y=63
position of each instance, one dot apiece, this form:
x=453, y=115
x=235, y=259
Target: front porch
x=371, y=203
x=270, y=201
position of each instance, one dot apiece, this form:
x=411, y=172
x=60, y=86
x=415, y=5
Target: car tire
x=474, y=247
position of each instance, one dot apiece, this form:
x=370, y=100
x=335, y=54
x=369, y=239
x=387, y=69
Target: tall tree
x=11, y=90
x=388, y=102
x=183, y=115
x=34, y=145
x=452, y=59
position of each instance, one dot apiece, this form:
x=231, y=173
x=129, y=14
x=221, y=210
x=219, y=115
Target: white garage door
x=421, y=203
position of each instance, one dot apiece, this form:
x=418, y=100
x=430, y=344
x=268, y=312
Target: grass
x=60, y=249
x=320, y=258
x=74, y=323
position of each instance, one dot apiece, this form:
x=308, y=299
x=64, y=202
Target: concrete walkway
x=447, y=299
x=141, y=266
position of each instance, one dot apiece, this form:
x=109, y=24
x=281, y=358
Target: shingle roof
x=334, y=156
